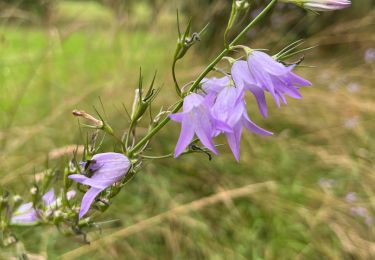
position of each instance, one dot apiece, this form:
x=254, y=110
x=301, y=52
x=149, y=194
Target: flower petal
x=87, y=200
x=205, y=136
x=250, y=125
x=260, y=98
x=88, y=181
x=269, y=64
x=27, y=219
x=49, y=197
x=178, y=117
x=234, y=140
x=186, y=136
x=215, y=85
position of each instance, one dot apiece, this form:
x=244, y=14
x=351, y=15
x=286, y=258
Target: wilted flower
x=321, y=5
x=230, y=107
x=27, y=215
x=262, y=73
x=107, y=168
x=196, y=119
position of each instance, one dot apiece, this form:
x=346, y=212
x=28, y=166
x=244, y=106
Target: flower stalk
x=196, y=83
x=211, y=106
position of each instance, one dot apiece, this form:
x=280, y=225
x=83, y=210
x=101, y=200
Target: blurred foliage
x=289, y=20
x=41, y=10
x=285, y=18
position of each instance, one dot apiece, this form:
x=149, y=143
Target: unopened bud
x=321, y=5
x=242, y=5
x=80, y=113
x=9, y=240
x=102, y=204
x=34, y=195
x=72, y=167
x=34, y=190
x=57, y=216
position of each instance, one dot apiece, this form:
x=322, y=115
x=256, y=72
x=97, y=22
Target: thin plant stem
x=200, y=78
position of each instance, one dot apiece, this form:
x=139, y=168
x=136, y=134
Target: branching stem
x=196, y=83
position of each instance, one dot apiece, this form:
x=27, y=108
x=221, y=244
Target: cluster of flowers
x=105, y=170
x=220, y=106
x=26, y=214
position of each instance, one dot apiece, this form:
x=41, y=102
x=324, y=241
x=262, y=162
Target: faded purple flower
x=321, y=5
x=230, y=107
x=351, y=197
x=262, y=73
x=107, y=168
x=353, y=87
x=359, y=211
x=27, y=215
x=370, y=55
x=196, y=119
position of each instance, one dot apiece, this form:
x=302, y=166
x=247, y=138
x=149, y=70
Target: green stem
x=178, y=90
x=131, y=127
x=157, y=157
x=201, y=76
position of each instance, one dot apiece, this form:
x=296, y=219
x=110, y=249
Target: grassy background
x=295, y=206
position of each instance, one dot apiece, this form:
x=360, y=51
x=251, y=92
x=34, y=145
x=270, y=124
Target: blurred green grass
x=323, y=148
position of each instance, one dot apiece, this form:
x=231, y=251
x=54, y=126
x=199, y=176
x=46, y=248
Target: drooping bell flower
x=196, y=119
x=263, y=73
x=25, y=214
x=243, y=80
x=321, y=5
x=230, y=107
x=215, y=85
x=107, y=168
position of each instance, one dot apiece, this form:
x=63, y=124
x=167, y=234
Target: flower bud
x=9, y=240
x=98, y=123
x=102, y=204
x=242, y=5
x=34, y=191
x=17, y=201
x=72, y=168
x=321, y=5
x=57, y=216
